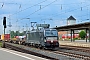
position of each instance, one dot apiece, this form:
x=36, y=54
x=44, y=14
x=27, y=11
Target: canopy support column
x=89, y=34
x=71, y=35
x=86, y=35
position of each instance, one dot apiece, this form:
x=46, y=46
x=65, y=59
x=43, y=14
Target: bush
x=0, y=44
x=75, y=38
x=82, y=34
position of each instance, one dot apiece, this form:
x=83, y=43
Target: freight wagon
x=0, y=38
x=5, y=37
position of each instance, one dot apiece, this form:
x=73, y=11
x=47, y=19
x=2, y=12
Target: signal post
x=4, y=24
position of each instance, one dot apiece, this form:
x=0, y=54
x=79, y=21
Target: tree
x=17, y=33
x=12, y=33
x=21, y=34
x=82, y=34
x=24, y=32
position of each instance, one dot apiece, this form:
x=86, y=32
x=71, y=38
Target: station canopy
x=80, y=26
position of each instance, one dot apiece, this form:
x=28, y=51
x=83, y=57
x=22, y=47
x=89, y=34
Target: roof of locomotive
x=40, y=30
x=49, y=29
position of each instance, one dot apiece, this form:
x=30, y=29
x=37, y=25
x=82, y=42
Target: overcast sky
x=54, y=12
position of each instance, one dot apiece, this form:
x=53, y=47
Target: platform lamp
x=4, y=24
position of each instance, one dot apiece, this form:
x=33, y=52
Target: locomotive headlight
x=44, y=40
x=52, y=41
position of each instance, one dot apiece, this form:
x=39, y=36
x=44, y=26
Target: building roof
x=85, y=25
x=71, y=18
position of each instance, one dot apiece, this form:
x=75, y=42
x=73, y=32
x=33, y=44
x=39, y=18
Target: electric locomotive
x=45, y=37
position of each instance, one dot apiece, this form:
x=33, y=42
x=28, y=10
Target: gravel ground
x=46, y=53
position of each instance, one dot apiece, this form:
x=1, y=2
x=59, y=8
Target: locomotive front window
x=51, y=33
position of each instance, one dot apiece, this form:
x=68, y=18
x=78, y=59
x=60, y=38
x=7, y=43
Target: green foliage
x=21, y=34
x=17, y=33
x=75, y=38
x=0, y=43
x=12, y=34
x=82, y=34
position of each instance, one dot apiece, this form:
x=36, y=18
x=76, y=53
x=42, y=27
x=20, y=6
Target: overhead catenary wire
x=70, y=10
x=61, y=7
x=41, y=8
x=28, y=7
x=79, y=16
x=38, y=9
x=81, y=8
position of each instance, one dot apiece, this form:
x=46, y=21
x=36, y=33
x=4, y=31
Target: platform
x=81, y=43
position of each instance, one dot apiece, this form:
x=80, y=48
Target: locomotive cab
x=51, y=38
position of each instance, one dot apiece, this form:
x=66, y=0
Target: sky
x=19, y=13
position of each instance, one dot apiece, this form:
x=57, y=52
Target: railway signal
x=4, y=22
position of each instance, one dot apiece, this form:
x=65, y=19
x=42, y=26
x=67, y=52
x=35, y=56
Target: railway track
x=64, y=50
x=76, y=48
x=21, y=49
x=75, y=51
x=70, y=54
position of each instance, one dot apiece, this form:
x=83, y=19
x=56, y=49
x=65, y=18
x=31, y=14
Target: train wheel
x=19, y=43
x=40, y=46
x=25, y=44
x=36, y=45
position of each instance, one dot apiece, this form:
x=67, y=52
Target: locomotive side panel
x=34, y=37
